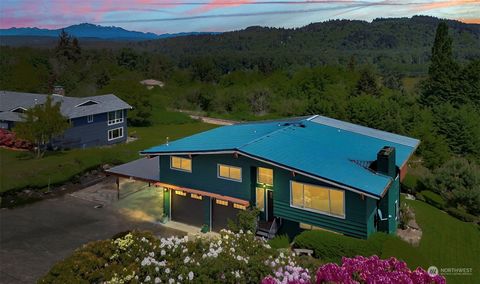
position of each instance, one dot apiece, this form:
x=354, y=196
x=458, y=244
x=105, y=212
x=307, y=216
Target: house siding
x=359, y=212
x=83, y=134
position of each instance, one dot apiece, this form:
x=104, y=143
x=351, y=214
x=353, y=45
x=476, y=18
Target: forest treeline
x=441, y=107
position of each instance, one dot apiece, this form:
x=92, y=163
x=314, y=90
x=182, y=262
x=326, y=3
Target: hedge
x=332, y=247
x=461, y=215
x=433, y=199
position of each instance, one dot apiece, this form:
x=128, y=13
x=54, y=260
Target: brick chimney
x=386, y=161
x=58, y=90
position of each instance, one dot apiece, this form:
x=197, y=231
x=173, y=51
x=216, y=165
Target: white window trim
x=318, y=211
x=258, y=175
x=115, y=120
x=90, y=118
x=226, y=178
x=88, y=101
x=180, y=169
x=111, y=130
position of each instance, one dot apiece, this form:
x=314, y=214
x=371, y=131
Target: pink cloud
x=216, y=4
x=54, y=14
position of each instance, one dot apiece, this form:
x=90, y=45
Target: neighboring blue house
x=95, y=121
x=303, y=173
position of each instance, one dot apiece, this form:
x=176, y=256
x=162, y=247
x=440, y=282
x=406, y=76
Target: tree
x=458, y=182
x=441, y=83
x=41, y=124
x=367, y=84
x=63, y=45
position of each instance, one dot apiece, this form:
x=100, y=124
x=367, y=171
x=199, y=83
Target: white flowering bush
x=139, y=257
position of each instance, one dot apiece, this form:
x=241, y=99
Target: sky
x=172, y=16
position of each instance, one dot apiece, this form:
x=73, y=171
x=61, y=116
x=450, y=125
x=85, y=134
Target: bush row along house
x=301, y=173
x=94, y=121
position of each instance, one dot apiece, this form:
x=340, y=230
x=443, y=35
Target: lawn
x=446, y=242
x=20, y=169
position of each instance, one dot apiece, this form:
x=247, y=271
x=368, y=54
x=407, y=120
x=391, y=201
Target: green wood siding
x=166, y=202
x=387, y=205
x=359, y=212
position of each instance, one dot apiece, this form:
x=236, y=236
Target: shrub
x=461, y=215
x=458, y=182
x=332, y=247
x=281, y=241
x=374, y=270
x=433, y=199
x=246, y=220
x=140, y=257
x=406, y=215
x=419, y=196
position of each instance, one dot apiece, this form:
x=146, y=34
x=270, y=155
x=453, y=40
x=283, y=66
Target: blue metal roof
x=318, y=146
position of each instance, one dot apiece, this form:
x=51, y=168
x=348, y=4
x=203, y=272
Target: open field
x=20, y=169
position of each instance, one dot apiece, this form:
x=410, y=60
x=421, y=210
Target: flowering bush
x=8, y=139
x=140, y=257
x=374, y=270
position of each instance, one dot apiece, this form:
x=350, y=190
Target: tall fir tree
x=442, y=80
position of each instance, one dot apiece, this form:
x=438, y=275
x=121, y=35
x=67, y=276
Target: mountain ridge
x=87, y=30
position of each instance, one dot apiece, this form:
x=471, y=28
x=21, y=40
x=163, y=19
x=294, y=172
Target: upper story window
x=115, y=117
x=265, y=176
x=90, y=118
x=182, y=164
x=229, y=172
x=317, y=198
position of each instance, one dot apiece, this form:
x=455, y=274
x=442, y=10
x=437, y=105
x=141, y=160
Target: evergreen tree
x=441, y=83
x=367, y=84
x=63, y=44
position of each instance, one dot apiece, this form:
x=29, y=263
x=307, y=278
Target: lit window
x=115, y=133
x=179, y=192
x=221, y=202
x=115, y=117
x=239, y=206
x=90, y=118
x=229, y=172
x=182, y=164
x=265, y=176
x=196, y=196
x=318, y=198
x=260, y=198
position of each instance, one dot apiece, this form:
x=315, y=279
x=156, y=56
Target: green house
x=301, y=173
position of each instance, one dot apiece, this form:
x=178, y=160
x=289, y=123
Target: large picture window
x=317, y=198
x=115, y=133
x=115, y=117
x=182, y=164
x=229, y=172
x=265, y=176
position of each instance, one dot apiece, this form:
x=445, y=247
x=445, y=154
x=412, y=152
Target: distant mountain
x=86, y=30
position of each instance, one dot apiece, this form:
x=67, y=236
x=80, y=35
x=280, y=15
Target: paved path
x=34, y=237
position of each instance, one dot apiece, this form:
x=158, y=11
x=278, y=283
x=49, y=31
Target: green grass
x=20, y=169
x=446, y=243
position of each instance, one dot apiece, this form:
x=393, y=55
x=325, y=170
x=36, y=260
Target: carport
x=137, y=194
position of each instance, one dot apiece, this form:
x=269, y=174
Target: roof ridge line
x=263, y=136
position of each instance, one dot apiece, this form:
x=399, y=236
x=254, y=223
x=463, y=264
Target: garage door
x=187, y=208
x=222, y=211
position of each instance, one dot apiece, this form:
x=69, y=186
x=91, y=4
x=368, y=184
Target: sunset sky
x=219, y=15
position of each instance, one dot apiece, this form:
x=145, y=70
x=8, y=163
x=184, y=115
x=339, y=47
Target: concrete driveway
x=34, y=237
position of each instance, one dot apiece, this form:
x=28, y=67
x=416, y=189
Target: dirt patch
x=412, y=233
x=15, y=198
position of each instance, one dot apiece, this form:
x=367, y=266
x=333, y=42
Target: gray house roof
x=71, y=107
x=147, y=169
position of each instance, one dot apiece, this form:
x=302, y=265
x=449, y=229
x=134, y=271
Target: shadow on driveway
x=34, y=237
